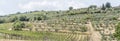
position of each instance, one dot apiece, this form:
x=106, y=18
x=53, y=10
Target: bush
x=40, y=17
x=117, y=31
x=23, y=18
x=83, y=29
x=37, y=18
x=18, y=25
x=2, y=21
x=114, y=18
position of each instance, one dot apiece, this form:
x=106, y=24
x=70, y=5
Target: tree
x=18, y=13
x=103, y=7
x=18, y=25
x=83, y=29
x=70, y=8
x=2, y=20
x=40, y=17
x=13, y=19
x=117, y=31
x=93, y=7
x=23, y=18
x=108, y=5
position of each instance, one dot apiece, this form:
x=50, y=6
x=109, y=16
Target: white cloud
x=51, y=5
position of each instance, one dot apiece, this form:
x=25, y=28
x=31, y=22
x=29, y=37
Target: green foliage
x=103, y=7
x=70, y=8
x=40, y=17
x=83, y=29
x=108, y=5
x=23, y=18
x=117, y=31
x=18, y=25
x=114, y=18
x=13, y=19
x=93, y=6
x=5, y=26
x=2, y=21
x=37, y=18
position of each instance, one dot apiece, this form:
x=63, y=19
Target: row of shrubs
x=22, y=18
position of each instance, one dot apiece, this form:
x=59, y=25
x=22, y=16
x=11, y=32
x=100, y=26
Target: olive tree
x=18, y=25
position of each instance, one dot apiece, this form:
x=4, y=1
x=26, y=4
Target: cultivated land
x=84, y=24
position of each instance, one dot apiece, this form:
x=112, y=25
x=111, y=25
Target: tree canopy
x=103, y=7
x=70, y=8
x=108, y=5
x=18, y=25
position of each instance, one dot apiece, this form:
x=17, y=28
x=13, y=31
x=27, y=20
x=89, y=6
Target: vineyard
x=84, y=24
x=44, y=36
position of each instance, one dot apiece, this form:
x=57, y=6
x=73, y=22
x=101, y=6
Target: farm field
x=92, y=23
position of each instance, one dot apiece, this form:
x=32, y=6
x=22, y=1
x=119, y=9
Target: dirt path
x=95, y=35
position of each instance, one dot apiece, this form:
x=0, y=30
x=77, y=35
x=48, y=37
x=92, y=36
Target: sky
x=12, y=6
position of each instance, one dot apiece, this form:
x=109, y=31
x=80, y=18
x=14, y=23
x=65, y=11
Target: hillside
x=84, y=24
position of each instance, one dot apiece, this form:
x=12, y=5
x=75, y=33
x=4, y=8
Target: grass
x=35, y=35
x=54, y=36
x=5, y=26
